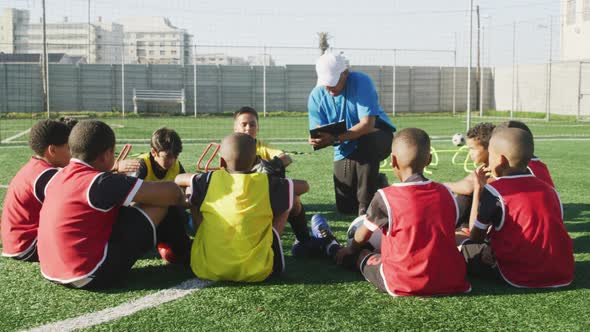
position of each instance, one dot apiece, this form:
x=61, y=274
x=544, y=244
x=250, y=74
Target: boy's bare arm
x=184, y=180
x=165, y=193
x=300, y=187
x=477, y=234
x=463, y=186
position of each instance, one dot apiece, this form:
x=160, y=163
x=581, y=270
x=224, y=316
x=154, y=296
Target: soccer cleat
x=167, y=254
x=321, y=229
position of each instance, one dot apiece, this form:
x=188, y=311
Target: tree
x=324, y=45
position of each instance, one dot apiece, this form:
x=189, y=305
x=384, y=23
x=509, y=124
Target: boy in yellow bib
x=240, y=216
x=162, y=164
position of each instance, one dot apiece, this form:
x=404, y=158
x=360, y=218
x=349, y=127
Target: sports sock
x=299, y=225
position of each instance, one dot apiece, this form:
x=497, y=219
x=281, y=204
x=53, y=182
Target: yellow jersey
x=234, y=240
x=151, y=176
x=265, y=151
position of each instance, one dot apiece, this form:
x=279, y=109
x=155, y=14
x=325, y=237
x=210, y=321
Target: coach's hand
x=324, y=140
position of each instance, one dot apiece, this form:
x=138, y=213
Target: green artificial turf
x=316, y=294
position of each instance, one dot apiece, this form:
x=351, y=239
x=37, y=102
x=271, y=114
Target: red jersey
x=531, y=244
x=418, y=248
x=74, y=232
x=20, y=215
x=540, y=170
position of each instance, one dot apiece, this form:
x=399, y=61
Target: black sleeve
x=199, y=186
x=490, y=209
x=281, y=194
x=109, y=190
x=181, y=170
x=377, y=212
x=141, y=173
x=42, y=181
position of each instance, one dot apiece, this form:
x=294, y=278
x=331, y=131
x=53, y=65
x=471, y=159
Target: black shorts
x=278, y=266
x=133, y=235
x=371, y=270
x=476, y=266
x=29, y=255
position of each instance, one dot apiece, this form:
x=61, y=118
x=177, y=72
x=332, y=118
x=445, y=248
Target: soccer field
x=314, y=294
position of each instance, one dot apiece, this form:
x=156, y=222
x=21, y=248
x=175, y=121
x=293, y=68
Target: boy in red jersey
x=522, y=217
x=417, y=218
x=536, y=166
x=26, y=192
x=89, y=234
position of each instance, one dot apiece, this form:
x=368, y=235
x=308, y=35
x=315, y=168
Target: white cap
x=329, y=67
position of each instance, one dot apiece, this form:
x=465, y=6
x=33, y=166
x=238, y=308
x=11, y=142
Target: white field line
x=3, y=186
x=126, y=309
x=11, y=138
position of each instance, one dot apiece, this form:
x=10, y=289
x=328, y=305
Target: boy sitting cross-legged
x=162, y=164
x=20, y=216
x=417, y=219
x=521, y=216
x=240, y=215
x=90, y=235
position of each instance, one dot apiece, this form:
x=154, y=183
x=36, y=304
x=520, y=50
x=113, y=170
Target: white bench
x=159, y=96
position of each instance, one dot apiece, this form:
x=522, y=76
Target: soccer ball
x=458, y=139
x=375, y=239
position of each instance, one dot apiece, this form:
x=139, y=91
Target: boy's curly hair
x=48, y=132
x=482, y=132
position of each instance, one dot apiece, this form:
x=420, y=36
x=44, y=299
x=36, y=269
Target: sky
x=370, y=24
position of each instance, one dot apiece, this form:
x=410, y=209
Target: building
x=155, y=40
x=575, y=30
x=98, y=42
x=219, y=59
x=226, y=60
x=13, y=24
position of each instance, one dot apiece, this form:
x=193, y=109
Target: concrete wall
x=528, y=90
x=98, y=87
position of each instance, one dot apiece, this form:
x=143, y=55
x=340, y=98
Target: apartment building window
x=586, y=10
x=140, y=35
x=162, y=52
x=141, y=52
x=162, y=44
x=173, y=52
x=151, y=53
x=571, y=12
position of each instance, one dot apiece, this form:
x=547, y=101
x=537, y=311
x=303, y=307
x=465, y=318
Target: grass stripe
x=126, y=309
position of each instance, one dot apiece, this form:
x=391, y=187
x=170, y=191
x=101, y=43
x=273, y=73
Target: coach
x=343, y=95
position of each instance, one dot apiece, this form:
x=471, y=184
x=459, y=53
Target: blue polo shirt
x=358, y=100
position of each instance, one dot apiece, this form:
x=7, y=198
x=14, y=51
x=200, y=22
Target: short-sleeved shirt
x=279, y=189
x=77, y=217
x=358, y=100
x=24, y=198
x=265, y=151
x=377, y=211
x=158, y=172
x=234, y=239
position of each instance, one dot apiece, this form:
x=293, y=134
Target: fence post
x=195, y=79
x=286, y=88
x=219, y=86
x=393, y=87
x=579, y=89
x=410, y=90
